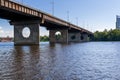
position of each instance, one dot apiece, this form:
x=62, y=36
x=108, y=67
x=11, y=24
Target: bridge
x=21, y=16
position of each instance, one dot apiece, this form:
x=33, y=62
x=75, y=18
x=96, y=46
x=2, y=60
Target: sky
x=89, y=14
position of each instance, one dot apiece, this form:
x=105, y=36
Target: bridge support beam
x=74, y=37
x=33, y=38
x=62, y=39
x=84, y=37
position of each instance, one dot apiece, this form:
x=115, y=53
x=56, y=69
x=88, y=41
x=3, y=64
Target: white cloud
x=4, y=33
x=1, y=30
x=43, y=31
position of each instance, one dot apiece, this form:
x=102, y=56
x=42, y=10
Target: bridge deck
x=15, y=11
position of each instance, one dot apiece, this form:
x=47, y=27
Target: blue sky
x=92, y=14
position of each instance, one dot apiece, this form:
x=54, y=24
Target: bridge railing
x=18, y=7
x=25, y=9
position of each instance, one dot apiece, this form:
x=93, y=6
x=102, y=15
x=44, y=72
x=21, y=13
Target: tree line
x=44, y=38
x=107, y=35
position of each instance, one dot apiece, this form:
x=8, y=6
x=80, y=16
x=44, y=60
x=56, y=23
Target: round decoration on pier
x=26, y=32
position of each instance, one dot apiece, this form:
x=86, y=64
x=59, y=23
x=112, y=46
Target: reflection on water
x=75, y=61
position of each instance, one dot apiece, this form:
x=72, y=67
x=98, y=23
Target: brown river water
x=74, y=61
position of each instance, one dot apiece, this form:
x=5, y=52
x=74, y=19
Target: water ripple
x=76, y=61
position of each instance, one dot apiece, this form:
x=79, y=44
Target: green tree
x=111, y=35
x=44, y=38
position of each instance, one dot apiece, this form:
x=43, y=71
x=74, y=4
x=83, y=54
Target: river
x=74, y=61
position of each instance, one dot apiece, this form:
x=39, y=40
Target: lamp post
x=53, y=7
x=22, y=1
x=77, y=21
x=68, y=16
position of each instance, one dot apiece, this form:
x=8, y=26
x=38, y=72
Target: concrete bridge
x=22, y=16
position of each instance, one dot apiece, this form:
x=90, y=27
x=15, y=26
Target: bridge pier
x=62, y=39
x=33, y=38
x=84, y=37
x=74, y=36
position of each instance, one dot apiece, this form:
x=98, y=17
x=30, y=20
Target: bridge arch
x=58, y=35
x=62, y=36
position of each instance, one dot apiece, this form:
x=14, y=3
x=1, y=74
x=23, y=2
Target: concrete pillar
x=63, y=39
x=34, y=33
x=84, y=37
x=74, y=36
